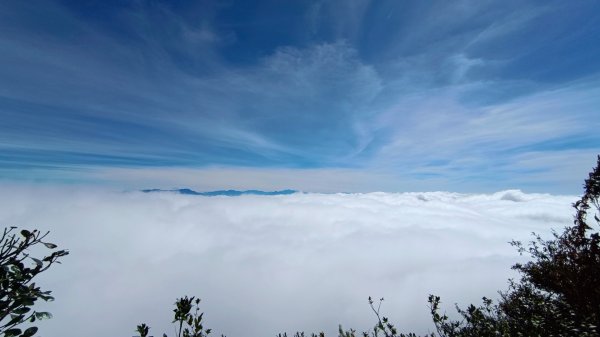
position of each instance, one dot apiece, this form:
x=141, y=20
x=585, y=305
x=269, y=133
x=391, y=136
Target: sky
x=269, y=264
x=318, y=96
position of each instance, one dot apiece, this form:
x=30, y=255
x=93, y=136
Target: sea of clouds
x=268, y=264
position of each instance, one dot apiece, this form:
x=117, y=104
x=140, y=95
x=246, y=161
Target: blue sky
x=464, y=96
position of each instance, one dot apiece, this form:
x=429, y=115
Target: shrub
x=18, y=292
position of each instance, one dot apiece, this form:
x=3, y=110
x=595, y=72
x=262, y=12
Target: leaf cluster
x=187, y=318
x=18, y=292
x=558, y=293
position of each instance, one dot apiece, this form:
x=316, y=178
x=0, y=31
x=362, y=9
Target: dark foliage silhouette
x=558, y=293
x=187, y=318
x=18, y=292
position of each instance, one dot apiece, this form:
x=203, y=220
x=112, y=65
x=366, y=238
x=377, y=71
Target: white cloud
x=438, y=126
x=269, y=264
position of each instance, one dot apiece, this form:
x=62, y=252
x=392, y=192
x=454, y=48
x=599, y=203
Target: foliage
x=18, y=293
x=383, y=327
x=301, y=334
x=568, y=266
x=189, y=324
x=559, y=290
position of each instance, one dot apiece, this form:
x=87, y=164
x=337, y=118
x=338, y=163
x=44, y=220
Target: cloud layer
x=265, y=264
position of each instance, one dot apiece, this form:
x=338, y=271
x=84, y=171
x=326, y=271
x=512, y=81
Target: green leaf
x=30, y=332
x=14, y=319
x=22, y=310
x=43, y=315
x=38, y=262
x=50, y=245
x=12, y=332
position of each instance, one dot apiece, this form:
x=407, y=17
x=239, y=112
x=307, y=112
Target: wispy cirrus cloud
x=385, y=87
x=257, y=112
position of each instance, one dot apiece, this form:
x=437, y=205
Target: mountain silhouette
x=229, y=193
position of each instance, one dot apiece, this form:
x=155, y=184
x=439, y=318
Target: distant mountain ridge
x=229, y=193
